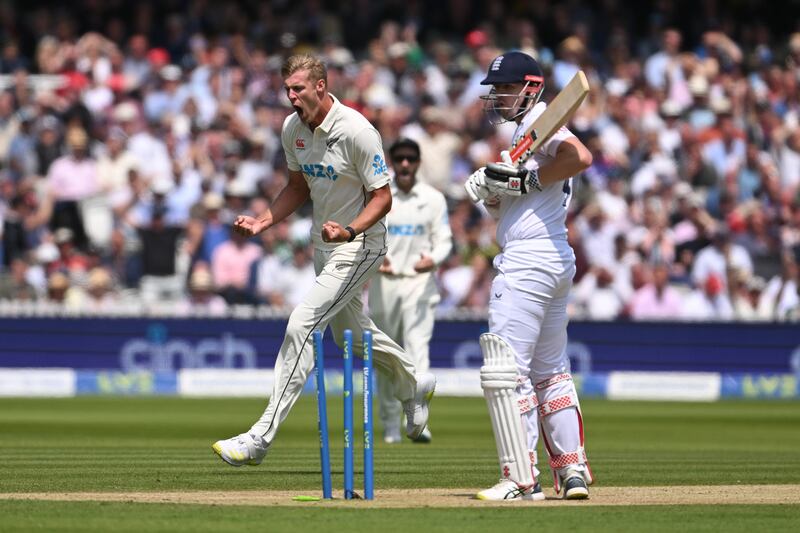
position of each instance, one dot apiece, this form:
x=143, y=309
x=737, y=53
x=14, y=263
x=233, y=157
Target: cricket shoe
x=574, y=485
x=244, y=449
x=507, y=490
x=425, y=437
x=416, y=409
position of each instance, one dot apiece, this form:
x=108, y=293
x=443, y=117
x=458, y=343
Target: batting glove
x=507, y=178
x=476, y=186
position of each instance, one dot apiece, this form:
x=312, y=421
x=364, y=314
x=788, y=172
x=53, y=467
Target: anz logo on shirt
x=378, y=165
x=406, y=230
x=320, y=171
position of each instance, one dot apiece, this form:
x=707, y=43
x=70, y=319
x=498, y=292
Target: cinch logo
x=496, y=63
x=378, y=165
x=300, y=143
x=319, y=171
x=158, y=353
x=406, y=229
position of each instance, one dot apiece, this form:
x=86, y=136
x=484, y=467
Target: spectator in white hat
x=71, y=179
x=100, y=296
x=202, y=299
x=699, y=115
x=166, y=102
x=150, y=152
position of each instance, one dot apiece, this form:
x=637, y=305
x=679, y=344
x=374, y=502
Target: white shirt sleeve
x=368, y=159
x=550, y=146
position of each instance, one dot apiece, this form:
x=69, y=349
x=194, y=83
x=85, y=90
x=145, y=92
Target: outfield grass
x=136, y=518
x=164, y=444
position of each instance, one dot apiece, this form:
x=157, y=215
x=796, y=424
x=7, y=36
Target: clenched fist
x=334, y=232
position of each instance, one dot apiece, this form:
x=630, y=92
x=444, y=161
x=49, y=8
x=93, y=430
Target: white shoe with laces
x=244, y=449
x=507, y=490
x=416, y=409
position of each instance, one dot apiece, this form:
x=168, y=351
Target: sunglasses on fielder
x=404, y=157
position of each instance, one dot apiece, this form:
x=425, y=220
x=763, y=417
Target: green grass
x=164, y=444
x=135, y=518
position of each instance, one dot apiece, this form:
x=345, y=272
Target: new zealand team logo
x=330, y=142
x=378, y=165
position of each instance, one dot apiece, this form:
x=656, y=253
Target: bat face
x=557, y=113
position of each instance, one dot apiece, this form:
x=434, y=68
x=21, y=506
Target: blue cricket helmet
x=514, y=67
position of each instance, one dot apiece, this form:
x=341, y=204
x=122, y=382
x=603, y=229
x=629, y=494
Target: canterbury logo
x=300, y=143
x=496, y=63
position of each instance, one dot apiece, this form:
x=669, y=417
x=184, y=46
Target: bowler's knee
x=299, y=322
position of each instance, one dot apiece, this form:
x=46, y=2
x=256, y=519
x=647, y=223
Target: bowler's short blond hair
x=316, y=68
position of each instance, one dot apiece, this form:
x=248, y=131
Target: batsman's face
x=506, y=99
x=305, y=95
x=509, y=99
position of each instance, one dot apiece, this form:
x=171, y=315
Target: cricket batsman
x=526, y=373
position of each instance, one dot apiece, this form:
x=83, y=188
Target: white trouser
x=334, y=299
x=403, y=307
x=528, y=309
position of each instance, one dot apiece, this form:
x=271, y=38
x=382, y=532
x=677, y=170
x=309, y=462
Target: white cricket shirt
x=418, y=224
x=341, y=160
x=539, y=216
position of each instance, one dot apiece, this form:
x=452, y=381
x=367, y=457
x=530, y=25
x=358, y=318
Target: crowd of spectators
x=130, y=136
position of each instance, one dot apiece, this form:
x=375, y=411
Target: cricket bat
x=557, y=113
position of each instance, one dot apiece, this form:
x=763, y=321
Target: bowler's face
x=304, y=95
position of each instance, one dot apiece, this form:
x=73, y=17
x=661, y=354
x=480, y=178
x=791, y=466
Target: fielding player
x=403, y=298
x=526, y=370
x=335, y=158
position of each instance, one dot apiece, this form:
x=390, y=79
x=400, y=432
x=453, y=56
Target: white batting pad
x=529, y=411
x=499, y=382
